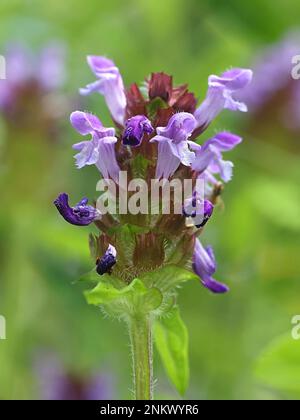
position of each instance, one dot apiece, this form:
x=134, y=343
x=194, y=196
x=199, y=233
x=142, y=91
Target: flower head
x=108, y=260
x=81, y=214
x=204, y=265
x=135, y=128
x=29, y=96
x=109, y=84
x=220, y=95
x=164, y=122
x=173, y=146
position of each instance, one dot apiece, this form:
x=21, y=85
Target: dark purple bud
x=208, y=211
x=80, y=215
x=200, y=211
x=135, y=128
x=204, y=265
x=106, y=263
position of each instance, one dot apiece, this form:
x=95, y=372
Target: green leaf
x=279, y=365
x=171, y=339
x=168, y=277
x=132, y=298
x=105, y=293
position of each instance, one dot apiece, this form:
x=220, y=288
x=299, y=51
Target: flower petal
x=85, y=123
x=204, y=266
x=225, y=141
x=167, y=162
x=215, y=286
x=179, y=128
x=110, y=85
x=220, y=95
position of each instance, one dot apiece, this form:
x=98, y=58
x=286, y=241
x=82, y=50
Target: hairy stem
x=140, y=328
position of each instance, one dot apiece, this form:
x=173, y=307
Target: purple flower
x=52, y=72
x=106, y=263
x=204, y=265
x=135, y=128
x=80, y=215
x=199, y=210
x=209, y=156
x=100, y=150
x=279, y=100
x=173, y=145
x=46, y=70
x=220, y=95
x=109, y=84
x=56, y=383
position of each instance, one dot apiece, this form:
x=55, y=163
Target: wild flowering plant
x=142, y=257
x=32, y=87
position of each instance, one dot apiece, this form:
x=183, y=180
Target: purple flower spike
x=135, y=129
x=204, y=265
x=109, y=84
x=80, y=215
x=173, y=145
x=109, y=259
x=209, y=156
x=220, y=95
x=100, y=150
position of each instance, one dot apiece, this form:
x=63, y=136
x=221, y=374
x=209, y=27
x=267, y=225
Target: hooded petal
x=80, y=215
x=233, y=79
x=225, y=141
x=179, y=128
x=86, y=123
x=110, y=85
x=220, y=95
x=173, y=147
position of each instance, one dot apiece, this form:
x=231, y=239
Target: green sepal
x=168, y=277
x=171, y=339
x=134, y=298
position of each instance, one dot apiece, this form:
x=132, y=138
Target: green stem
x=140, y=329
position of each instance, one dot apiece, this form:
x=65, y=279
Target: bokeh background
x=240, y=344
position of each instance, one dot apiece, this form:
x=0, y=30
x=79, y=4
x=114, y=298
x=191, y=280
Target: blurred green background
x=240, y=344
